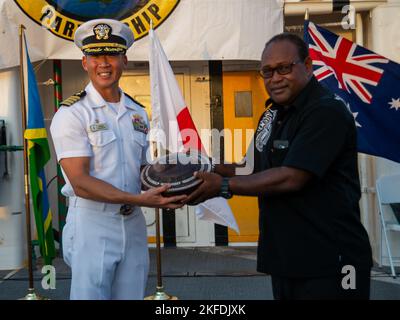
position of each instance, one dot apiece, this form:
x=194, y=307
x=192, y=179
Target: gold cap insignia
x=102, y=31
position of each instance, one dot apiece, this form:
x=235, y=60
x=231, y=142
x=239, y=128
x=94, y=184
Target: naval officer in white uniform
x=100, y=136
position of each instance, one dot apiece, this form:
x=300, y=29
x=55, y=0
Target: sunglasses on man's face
x=282, y=69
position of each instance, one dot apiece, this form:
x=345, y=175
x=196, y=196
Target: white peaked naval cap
x=103, y=37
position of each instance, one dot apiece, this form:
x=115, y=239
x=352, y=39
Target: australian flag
x=368, y=83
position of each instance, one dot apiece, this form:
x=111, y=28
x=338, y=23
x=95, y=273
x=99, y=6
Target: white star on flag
x=355, y=114
x=395, y=104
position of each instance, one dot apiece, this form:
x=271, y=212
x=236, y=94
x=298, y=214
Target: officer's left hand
x=153, y=198
x=209, y=188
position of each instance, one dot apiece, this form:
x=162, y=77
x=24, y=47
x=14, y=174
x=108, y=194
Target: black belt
x=126, y=209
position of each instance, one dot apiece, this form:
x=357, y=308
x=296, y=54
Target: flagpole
x=31, y=295
x=158, y=242
x=160, y=294
x=62, y=204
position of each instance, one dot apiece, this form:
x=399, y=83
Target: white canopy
x=192, y=30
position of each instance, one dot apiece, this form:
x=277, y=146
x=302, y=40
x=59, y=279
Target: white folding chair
x=388, y=191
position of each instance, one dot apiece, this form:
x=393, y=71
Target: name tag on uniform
x=98, y=127
x=139, y=124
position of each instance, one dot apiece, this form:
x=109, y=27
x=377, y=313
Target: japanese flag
x=172, y=123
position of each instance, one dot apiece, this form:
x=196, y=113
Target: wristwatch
x=225, y=192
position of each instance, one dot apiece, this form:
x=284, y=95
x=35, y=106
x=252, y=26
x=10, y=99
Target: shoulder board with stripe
x=74, y=98
x=135, y=101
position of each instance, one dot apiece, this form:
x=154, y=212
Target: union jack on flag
x=368, y=83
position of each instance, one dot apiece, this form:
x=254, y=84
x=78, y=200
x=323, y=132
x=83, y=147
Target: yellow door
x=244, y=97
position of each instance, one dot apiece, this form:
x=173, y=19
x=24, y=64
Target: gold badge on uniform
x=102, y=31
x=139, y=124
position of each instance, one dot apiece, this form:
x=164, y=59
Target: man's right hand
x=209, y=188
x=153, y=198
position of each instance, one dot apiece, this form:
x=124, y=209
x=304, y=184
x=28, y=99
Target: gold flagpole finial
x=21, y=28
x=306, y=15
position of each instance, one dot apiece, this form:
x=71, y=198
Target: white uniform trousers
x=108, y=254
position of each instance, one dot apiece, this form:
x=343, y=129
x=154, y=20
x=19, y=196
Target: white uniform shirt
x=115, y=140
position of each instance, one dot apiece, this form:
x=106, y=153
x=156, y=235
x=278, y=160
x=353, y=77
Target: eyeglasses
x=281, y=69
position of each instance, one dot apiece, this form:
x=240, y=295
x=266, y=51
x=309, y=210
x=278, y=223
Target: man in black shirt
x=306, y=178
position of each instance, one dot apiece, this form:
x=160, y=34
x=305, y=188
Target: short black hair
x=302, y=49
